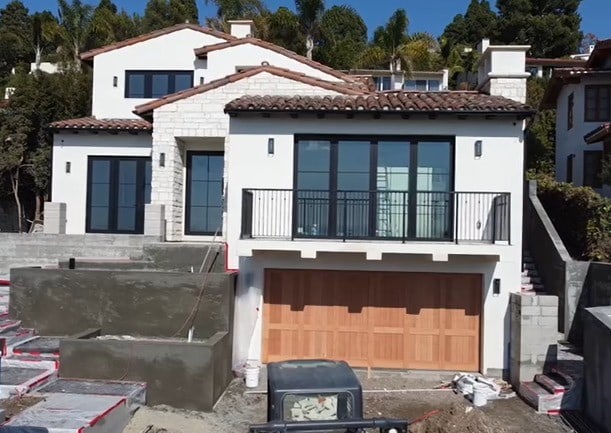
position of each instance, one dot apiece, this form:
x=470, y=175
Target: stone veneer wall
x=202, y=116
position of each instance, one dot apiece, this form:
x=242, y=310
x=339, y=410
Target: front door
x=117, y=189
x=204, y=200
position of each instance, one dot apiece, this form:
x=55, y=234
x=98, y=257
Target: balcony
x=402, y=216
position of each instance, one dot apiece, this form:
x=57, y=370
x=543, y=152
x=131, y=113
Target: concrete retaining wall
x=46, y=249
x=534, y=335
x=578, y=284
x=156, y=304
x=597, y=366
x=183, y=375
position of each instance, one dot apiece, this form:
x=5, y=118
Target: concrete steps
x=552, y=392
x=531, y=281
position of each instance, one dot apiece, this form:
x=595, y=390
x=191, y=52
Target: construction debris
x=475, y=387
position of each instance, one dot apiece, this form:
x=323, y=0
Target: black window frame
x=187, y=221
x=334, y=139
x=570, y=108
x=141, y=199
x=598, y=117
x=570, y=159
x=597, y=180
x=148, y=81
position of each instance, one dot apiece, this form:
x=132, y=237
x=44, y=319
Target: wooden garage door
x=377, y=319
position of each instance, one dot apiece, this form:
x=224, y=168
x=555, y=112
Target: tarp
x=68, y=413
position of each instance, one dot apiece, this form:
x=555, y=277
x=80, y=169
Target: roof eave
x=522, y=113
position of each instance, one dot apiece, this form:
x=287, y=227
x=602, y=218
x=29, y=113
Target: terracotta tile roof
x=563, y=63
x=89, y=55
x=203, y=52
x=349, y=88
x=91, y=123
x=602, y=133
x=394, y=101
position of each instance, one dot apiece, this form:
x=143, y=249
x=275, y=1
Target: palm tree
x=232, y=10
x=388, y=46
x=310, y=15
x=75, y=26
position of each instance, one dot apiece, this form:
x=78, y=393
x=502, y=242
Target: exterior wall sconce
x=68, y=166
x=270, y=146
x=115, y=81
x=477, y=149
x=162, y=159
x=496, y=287
x=201, y=80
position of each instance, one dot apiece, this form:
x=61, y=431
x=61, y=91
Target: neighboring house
x=400, y=80
x=380, y=228
x=582, y=99
x=543, y=68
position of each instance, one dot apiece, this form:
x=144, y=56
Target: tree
x=422, y=52
x=551, y=27
x=343, y=37
x=310, y=14
x=478, y=22
x=237, y=9
x=388, y=46
x=283, y=29
x=589, y=40
x=606, y=173
x=541, y=133
x=75, y=27
x=25, y=141
x=159, y=14
x=15, y=37
x=109, y=25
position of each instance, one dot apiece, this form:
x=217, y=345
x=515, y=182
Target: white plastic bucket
x=480, y=394
x=251, y=374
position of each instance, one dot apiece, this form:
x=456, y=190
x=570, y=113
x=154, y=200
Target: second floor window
x=569, y=119
x=597, y=104
x=156, y=84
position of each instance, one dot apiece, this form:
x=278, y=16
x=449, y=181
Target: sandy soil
x=15, y=405
x=446, y=411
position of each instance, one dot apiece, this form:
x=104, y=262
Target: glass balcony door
x=374, y=188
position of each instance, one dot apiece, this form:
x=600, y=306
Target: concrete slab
x=134, y=392
x=39, y=346
x=20, y=377
x=71, y=413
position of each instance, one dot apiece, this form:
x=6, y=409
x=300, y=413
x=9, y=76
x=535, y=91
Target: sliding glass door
x=360, y=188
x=117, y=189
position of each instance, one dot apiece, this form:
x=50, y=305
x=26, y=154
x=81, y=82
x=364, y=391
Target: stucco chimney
x=242, y=28
x=502, y=70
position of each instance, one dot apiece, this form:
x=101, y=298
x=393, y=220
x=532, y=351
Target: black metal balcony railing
x=385, y=215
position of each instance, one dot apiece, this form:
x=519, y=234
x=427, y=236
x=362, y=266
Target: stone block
x=549, y=311
x=154, y=220
x=531, y=311
x=548, y=321
x=55, y=218
x=548, y=301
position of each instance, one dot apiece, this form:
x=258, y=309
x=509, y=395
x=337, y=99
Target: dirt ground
x=13, y=406
x=447, y=412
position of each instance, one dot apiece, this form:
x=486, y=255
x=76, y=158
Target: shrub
x=581, y=216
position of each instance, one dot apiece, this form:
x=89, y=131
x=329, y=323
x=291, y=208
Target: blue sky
x=425, y=15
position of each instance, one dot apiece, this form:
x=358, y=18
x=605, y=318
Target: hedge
x=581, y=216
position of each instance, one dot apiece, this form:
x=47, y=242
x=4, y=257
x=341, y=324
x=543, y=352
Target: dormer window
x=156, y=84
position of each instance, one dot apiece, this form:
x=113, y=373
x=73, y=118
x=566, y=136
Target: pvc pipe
x=190, y=335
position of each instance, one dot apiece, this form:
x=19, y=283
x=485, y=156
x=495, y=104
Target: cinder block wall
x=534, y=335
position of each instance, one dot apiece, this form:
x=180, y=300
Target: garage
x=428, y=321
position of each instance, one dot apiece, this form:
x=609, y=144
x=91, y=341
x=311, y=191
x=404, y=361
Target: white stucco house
x=582, y=98
x=387, y=79
x=383, y=228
